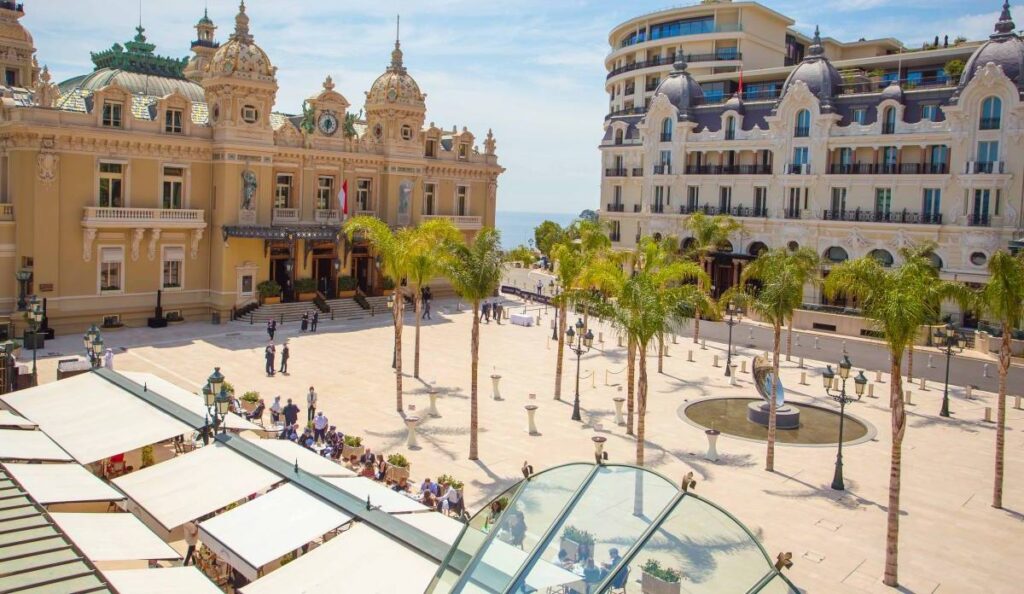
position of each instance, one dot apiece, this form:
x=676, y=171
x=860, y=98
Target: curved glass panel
x=778, y=585
x=489, y=515
x=699, y=546
x=616, y=508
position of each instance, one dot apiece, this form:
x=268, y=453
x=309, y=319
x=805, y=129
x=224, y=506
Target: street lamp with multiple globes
x=217, y=404
x=23, y=276
x=554, y=318
x=951, y=341
x=735, y=316
x=582, y=345
x=842, y=398
x=93, y=342
x=35, y=321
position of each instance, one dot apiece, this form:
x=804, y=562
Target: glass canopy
x=588, y=529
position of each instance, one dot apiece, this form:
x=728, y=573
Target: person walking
x=305, y=321
x=108, y=359
x=485, y=312
x=271, y=328
x=291, y=413
x=311, y=403
x=191, y=539
x=275, y=410
x=284, y=358
x=497, y=312
x=319, y=427
x=426, y=309
x=316, y=320
x=268, y=354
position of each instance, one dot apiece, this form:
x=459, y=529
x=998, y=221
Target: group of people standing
x=270, y=355
x=310, y=322
x=489, y=309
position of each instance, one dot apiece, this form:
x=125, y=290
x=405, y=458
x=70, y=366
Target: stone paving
x=951, y=539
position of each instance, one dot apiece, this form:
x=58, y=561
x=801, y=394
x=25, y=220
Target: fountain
x=786, y=417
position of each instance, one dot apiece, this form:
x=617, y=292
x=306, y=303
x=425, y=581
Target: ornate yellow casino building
x=176, y=175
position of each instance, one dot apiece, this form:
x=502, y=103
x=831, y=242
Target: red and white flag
x=343, y=198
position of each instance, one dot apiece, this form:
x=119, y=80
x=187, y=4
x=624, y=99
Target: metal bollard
x=816, y=345
x=988, y=414
x=924, y=385
x=984, y=370
x=844, y=347
x=931, y=362
x=743, y=366
x=970, y=392
x=716, y=361
x=600, y=337
x=689, y=356
x=732, y=376
x=666, y=350
x=620, y=340
x=871, y=391
x=801, y=362
x=703, y=345
x=908, y=397
x=531, y=422
x=1016, y=402
x=878, y=376
x=750, y=333
x=803, y=378
x=674, y=338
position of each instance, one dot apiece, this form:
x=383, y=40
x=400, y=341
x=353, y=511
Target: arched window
x=687, y=244
x=725, y=247
x=935, y=260
x=657, y=237
x=883, y=256
x=836, y=254
x=991, y=113
x=756, y=248
x=730, y=128
x=666, y=129
x=889, y=120
x=803, y=123
x=793, y=246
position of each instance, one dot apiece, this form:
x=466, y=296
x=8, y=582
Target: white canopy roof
x=92, y=418
x=113, y=537
x=390, y=501
x=185, y=399
x=268, y=527
x=195, y=484
x=18, y=444
x=62, y=483
x=165, y=580
x=441, y=526
x=360, y=559
x=308, y=461
x=9, y=419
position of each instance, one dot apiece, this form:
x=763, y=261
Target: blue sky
x=530, y=69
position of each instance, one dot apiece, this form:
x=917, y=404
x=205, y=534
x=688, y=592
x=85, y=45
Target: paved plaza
x=951, y=539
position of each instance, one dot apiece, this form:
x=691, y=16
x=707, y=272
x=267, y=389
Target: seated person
x=613, y=560
x=401, y=486
x=289, y=433
x=429, y=485
x=257, y=413
x=353, y=463
x=591, y=573
x=563, y=559
x=368, y=471
x=368, y=457
x=428, y=499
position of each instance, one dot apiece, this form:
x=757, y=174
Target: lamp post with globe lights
x=950, y=342
x=582, y=345
x=735, y=316
x=93, y=342
x=842, y=398
x=215, y=397
x=35, y=321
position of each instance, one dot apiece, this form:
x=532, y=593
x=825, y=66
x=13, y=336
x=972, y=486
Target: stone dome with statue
x=240, y=56
x=396, y=86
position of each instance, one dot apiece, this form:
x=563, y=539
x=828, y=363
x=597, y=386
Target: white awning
x=94, y=419
x=308, y=461
x=18, y=444
x=390, y=501
x=165, y=580
x=9, y=419
x=185, y=399
x=194, y=484
x=360, y=559
x=62, y=483
x=441, y=526
x=268, y=527
x=113, y=537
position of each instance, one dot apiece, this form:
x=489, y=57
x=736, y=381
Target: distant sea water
x=517, y=227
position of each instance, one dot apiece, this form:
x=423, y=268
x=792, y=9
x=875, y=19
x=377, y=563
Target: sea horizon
x=517, y=227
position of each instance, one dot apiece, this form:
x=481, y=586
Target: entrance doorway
x=323, y=272
x=281, y=268
x=361, y=266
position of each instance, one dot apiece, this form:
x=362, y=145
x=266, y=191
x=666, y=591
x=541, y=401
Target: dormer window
x=991, y=113
x=250, y=114
x=463, y=151
x=889, y=121
x=666, y=130
x=173, y=121
x=406, y=133
x=112, y=114
x=730, y=128
x=803, y=124
x=431, y=148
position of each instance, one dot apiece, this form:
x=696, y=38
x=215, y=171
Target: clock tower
x=396, y=109
x=325, y=114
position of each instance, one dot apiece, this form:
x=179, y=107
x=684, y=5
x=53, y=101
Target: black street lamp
x=554, y=318
x=394, y=323
x=217, y=404
x=35, y=321
x=93, y=342
x=735, y=316
x=583, y=344
x=841, y=397
x=951, y=341
x=23, y=276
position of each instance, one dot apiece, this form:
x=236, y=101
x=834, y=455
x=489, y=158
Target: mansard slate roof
x=818, y=73
x=1003, y=48
x=681, y=90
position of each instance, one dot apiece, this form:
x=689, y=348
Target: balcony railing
x=719, y=56
x=791, y=213
x=871, y=216
x=6, y=212
x=707, y=209
x=612, y=207
x=798, y=168
x=985, y=167
x=666, y=137
x=366, y=212
x=143, y=217
x=802, y=131
x=636, y=208
x=728, y=169
x=989, y=123
x=284, y=216
x=874, y=86
x=746, y=211
x=638, y=172
x=979, y=220
x=663, y=169
x=657, y=208
x=888, y=168
x=625, y=112
x=326, y=216
x=615, y=236
x=466, y=222
x=615, y=172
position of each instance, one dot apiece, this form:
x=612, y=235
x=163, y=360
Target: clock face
x=328, y=123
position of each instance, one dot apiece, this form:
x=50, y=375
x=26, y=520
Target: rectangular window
x=883, y=202
x=988, y=151
x=431, y=148
x=283, y=191
x=174, y=182
x=932, y=202
x=666, y=159
x=463, y=151
x=111, y=185
x=793, y=207
x=845, y=155
x=760, y=201
x=173, y=263
x=860, y=115
x=11, y=77
x=111, y=269
x=173, y=119
x=981, y=204
x=930, y=112
x=364, y=196
x=461, y=201
x=324, y=191
x=692, y=198
x=838, y=200
x=112, y=114
x=429, y=193
x=939, y=158
x=724, y=199
x=800, y=158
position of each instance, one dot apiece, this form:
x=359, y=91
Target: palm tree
x=1003, y=299
x=780, y=275
x=474, y=271
x=393, y=251
x=708, y=234
x=426, y=250
x=899, y=301
x=805, y=264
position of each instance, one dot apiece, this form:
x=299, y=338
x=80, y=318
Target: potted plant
x=659, y=580
x=174, y=316
x=305, y=289
x=876, y=74
x=269, y=291
x=353, y=446
x=387, y=286
x=398, y=468
x=574, y=539
x=347, y=286
x=249, y=400
x=148, y=459
x=953, y=69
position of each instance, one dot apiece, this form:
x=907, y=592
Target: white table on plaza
x=62, y=483
x=18, y=444
x=164, y=580
x=521, y=319
x=113, y=537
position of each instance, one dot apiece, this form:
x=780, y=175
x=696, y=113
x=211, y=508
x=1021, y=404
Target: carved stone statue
x=248, y=190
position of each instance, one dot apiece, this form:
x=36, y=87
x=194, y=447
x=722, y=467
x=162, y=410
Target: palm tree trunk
x=789, y=340
x=1004, y=368
x=661, y=352
x=399, y=307
x=474, y=350
x=561, y=351
x=696, y=310
x=631, y=380
x=641, y=406
x=910, y=363
x=416, y=360
x=899, y=427
x=769, y=462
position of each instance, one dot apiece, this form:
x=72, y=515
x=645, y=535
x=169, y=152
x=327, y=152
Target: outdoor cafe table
x=521, y=319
